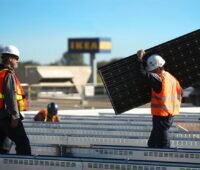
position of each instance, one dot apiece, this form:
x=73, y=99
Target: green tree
x=1, y=48
x=29, y=62
x=71, y=59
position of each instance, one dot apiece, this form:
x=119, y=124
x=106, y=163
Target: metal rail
x=10, y=162
x=111, y=132
x=118, y=152
x=87, y=140
x=121, y=119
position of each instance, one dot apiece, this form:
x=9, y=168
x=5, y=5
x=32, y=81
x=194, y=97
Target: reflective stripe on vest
x=176, y=96
x=167, y=102
x=20, y=96
x=50, y=119
x=165, y=107
x=1, y=96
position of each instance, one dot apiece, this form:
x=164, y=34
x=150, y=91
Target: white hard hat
x=10, y=50
x=154, y=61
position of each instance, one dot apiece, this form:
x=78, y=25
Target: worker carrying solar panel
x=165, y=97
x=48, y=115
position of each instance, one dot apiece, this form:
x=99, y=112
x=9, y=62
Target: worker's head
x=10, y=56
x=155, y=63
x=141, y=53
x=52, y=108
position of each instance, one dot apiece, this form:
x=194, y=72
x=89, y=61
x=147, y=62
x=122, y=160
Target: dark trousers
x=159, y=137
x=17, y=135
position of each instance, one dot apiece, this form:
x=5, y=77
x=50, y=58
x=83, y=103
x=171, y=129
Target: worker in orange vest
x=48, y=115
x=166, y=94
x=12, y=101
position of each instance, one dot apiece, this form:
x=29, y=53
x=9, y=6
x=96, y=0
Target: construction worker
x=165, y=98
x=49, y=114
x=12, y=101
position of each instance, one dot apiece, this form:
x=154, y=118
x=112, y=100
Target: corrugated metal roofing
x=54, y=72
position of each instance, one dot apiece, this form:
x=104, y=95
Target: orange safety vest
x=168, y=101
x=43, y=113
x=20, y=95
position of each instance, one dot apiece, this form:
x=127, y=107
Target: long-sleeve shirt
x=153, y=79
x=10, y=100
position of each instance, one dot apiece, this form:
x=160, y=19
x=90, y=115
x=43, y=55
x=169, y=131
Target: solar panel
x=127, y=90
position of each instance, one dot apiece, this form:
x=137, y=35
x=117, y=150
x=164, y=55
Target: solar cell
x=127, y=90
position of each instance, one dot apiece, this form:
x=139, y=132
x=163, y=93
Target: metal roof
x=54, y=72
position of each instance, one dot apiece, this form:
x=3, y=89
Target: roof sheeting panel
x=54, y=72
x=79, y=74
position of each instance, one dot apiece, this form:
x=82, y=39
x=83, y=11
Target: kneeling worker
x=49, y=114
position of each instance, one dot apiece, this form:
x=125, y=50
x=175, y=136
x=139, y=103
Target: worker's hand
x=140, y=53
x=14, y=123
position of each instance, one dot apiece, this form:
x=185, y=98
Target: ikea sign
x=89, y=45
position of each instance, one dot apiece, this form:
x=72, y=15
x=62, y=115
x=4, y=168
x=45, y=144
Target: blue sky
x=40, y=28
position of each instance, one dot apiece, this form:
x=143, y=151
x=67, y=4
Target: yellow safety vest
x=167, y=102
x=20, y=96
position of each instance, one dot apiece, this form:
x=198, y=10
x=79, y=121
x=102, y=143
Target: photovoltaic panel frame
x=127, y=90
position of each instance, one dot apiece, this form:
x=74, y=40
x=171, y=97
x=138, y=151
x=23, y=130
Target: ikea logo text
x=92, y=45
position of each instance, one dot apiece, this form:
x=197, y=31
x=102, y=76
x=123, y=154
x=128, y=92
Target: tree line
x=67, y=59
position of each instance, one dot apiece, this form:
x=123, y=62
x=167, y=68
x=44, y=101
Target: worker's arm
x=10, y=99
x=153, y=79
x=35, y=118
x=179, y=91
